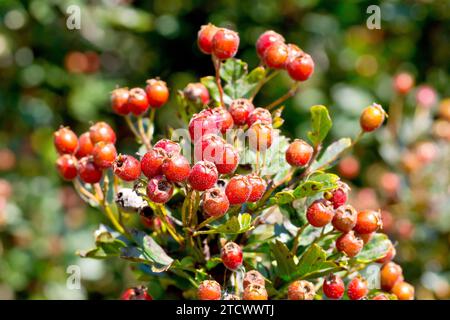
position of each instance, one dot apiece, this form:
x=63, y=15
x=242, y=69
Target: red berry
x=260, y=136
x=240, y=110
x=390, y=274
x=176, y=168
x=209, y=147
x=357, y=288
x=293, y=52
x=403, y=82
x=157, y=93
x=224, y=120
x=209, y=290
x=85, y=146
x=88, y=172
x=276, y=55
x=366, y=237
x=169, y=146
x=67, y=166
x=372, y=117
x=138, y=101
x=101, y=131
x=65, y=141
x=259, y=114
x=159, y=189
x=104, y=155
x=299, y=153
x=119, y=101
x=225, y=44
x=197, y=93
x=301, y=67
x=202, y=124
x=301, y=290
x=255, y=291
x=238, y=190
x=368, y=221
x=205, y=37
x=333, y=287
x=215, y=202
x=403, y=291
x=390, y=254
x=265, y=40
x=138, y=293
x=345, y=218
x=127, y=168
x=152, y=161
x=228, y=160
x=253, y=276
x=259, y=186
x=338, y=196
x=203, y=175
x=231, y=255
x=320, y=213
x=349, y=244
x=380, y=296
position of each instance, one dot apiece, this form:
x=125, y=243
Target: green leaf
x=233, y=70
x=283, y=197
x=320, y=124
x=285, y=260
x=210, y=83
x=317, y=183
x=313, y=263
x=237, y=224
x=108, y=243
x=375, y=249
x=330, y=155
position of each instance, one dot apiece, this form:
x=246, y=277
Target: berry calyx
x=101, y=131
x=300, y=68
x=260, y=136
x=119, y=101
x=253, y=276
x=157, y=93
x=240, y=110
x=258, y=186
x=349, y=244
x=67, y=166
x=345, y=218
x=259, y=114
x=203, y=175
x=299, y=153
x=169, y=146
x=225, y=44
x=104, y=154
x=209, y=290
x=265, y=40
x=276, y=55
x=372, y=117
x=255, y=292
x=390, y=274
x=196, y=93
x=228, y=160
x=403, y=291
x=333, y=287
x=152, y=161
x=301, y=290
x=368, y=221
x=176, y=168
x=85, y=146
x=205, y=37
x=357, y=288
x=238, y=190
x=88, y=172
x=138, y=101
x=231, y=255
x=127, y=168
x=319, y=213
x=159, y=189
x=65, y=141
x=137, y=293
x=215, y=202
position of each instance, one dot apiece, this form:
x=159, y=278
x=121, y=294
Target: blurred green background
x=50, y=75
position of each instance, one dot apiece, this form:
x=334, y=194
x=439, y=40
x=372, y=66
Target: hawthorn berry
x=205, y=37
x=259, y=114
x=104, y=154
x=88, y=172
x=127, y=168
x=101, y=131
x=372, y=117
x=390, y=254
x=265, y=40
x=201, y=124
x=197, y=93
x=357, y=288
x=138, y=101
x=350, y=244
x=169, y=146
x=301, y=67
x=260, y=136
x=338, y=196
x=320, y=213
x=301, y=290
x=137, y=293
x=368, y=221
x=225, y=44
x=85, y=146
x=157, y=93
x=159, y=189
x=293, y=52
x=366, y=237
x=345, y=218
x=258, y=186
x=209, y=290
x=238, y=190
x=151, y=162
x=203, y=175
x=403, y=291
x=231, y=255
x=240, y=110
x=253, y=276
x=333, y=287
x=176, y=168
x=65, y=141
x=119, y=101
x=276, y=55
x=255, y=292
x=67, y=166
x=390, y=274
x=299, y=153
x=209, y=147
x=403, y=82
x=228, y=160
x=215, y=202
x=224, y=120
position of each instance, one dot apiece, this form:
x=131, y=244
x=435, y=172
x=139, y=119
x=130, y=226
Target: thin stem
x=262, y=82
x=142, y=133
x=291, y=92
x=113, y=219
x=258, y=152
x=357, y=139
x=207, y=221
x=297, y=238
x=395, y=115
x=83, y=191
x=236, y=285
x=169, y=226
x=217, y=63
x=151, y=125
x=133, y=128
